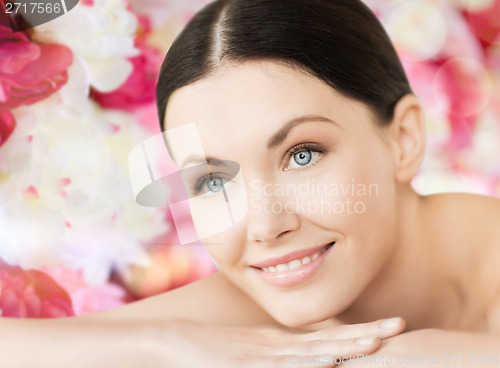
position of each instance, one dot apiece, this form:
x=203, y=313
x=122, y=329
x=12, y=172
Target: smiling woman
x=313, y=107
x=351, y=149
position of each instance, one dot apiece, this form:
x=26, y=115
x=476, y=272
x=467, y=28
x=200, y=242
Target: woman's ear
x=408, y=134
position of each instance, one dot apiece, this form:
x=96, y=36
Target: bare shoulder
x=213, y=299
x=470, y=215
x=466, y=201
x=473, y=223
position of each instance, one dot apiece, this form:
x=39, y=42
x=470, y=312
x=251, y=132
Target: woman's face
x=316, y=170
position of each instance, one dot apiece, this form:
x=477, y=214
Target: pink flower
x=87, y=298
x=30, y=72
x=140, y=87
x=460, y=79
x=7, y=125
x=31, y=294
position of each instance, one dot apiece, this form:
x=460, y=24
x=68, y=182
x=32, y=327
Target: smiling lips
x=292, y=258
x=293, y=268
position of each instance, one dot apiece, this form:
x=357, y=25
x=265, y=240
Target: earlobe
x=409, y=137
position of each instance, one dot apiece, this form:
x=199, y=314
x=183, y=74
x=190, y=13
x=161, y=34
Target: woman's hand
x=189, y=344
x=86, y=341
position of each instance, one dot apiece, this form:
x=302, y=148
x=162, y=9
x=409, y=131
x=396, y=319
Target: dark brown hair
x=341, y=42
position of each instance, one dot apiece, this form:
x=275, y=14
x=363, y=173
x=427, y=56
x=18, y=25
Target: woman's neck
x=419, y=282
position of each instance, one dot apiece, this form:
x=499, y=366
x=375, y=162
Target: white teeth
x=292, y=264
x=282, y=267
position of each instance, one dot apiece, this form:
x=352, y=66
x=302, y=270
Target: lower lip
x=297, y=275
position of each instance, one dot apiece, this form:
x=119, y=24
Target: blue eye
x=302, y=158
x=209, y=184
x=201, y=180
x=215, y=184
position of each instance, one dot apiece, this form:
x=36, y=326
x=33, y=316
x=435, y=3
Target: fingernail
x=390, y=323
x=364, y=341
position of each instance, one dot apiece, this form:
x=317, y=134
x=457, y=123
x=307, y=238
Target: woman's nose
x=270, y=216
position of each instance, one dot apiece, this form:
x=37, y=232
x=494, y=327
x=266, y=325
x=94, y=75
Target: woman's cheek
x=374, y=228
x=336, y=196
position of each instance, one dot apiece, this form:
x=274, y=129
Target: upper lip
x=290, y=256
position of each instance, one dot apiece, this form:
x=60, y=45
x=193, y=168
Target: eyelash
x=299, y=148
x=289, y=154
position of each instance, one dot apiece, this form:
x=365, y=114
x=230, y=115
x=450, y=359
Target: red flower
x=31, y=294
x=486, y=23
x=140, y=87
x=30, y=72
x=7, y=125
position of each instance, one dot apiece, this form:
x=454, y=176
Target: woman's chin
x=313, y=313
x=304, y=320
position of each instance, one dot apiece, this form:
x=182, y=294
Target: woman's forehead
x=262, y=90
x=248, y=103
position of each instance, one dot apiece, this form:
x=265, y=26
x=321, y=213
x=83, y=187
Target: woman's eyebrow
x=197, y=159
x=275, y=140
x=281, y=134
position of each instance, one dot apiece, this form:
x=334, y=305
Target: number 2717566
x=33, y=8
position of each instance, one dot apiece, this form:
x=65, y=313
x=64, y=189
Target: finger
x=337, y=348
x=287, y=361
x=382, y=328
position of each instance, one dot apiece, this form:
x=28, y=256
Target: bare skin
x=431, y=260
x=467, y=298
x=229, y=326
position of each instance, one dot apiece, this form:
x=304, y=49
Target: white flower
x=162, y=11
x=66, y=193
x=101, y=36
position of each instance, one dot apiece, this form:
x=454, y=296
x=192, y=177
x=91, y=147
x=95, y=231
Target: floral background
x=77, y=93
